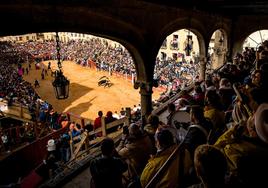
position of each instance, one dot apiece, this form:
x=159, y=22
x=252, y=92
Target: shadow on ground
x=82, y=107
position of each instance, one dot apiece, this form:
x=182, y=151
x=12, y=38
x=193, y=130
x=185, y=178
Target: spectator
x=165, y=146
x=108, y=169
x=136, y=147
x=97, y=122
x=211, y=167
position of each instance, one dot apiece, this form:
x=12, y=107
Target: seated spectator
x=245, y=147
x=226, y=93
x=109, y=117
x=136, y=147
x=171, y=177
x=198, y=132
x=171, y=110
x=122, y=113
x=256, y=78
x=213, y=111
x=210, y=166
x=185, y=95
x=108, y=169
x=151, y=128
x=89, y=126
x=181, y=104
x=116, y=115
x=198, y=95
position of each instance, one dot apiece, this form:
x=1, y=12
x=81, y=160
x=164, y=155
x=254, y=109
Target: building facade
x=182, y=45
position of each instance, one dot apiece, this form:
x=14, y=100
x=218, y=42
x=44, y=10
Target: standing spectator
x=49, y=65
x=42, y=75
x=97, y=122
x=36, y=83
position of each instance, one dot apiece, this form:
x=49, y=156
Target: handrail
x=164, y=166
x=175, y=97
x=110, y=125
x=171, y=100
x=171, y=157
x=17, y=112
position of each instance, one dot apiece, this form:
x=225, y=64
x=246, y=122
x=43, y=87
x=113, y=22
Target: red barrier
x=21, y=162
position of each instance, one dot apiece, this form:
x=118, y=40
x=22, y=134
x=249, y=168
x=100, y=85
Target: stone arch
x=242, y=30
x=195, y=27
x=80, y=20
x=184, y=23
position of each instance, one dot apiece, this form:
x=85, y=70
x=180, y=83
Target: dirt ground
x=86, y=98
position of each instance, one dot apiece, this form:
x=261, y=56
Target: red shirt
x=97, y=123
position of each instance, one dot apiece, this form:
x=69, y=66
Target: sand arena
x=86, y=98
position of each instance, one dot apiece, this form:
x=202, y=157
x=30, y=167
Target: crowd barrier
x=20, y=163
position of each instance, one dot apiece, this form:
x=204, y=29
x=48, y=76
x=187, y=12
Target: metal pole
x=260, y=35
x=253, y=40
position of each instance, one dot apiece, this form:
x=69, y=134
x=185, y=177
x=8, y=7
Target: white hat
x=51, y=146
x=261, y=122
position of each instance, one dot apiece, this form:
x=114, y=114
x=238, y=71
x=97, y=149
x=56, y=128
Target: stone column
x=146, y=100
x=203, y=63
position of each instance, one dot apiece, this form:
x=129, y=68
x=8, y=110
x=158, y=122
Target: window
x=175, y=56
x=163, y=56
x=174, y=43
x=188, y=45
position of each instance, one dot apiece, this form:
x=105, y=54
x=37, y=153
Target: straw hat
x=261, y=122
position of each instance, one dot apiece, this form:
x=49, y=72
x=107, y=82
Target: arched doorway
x=83, y=52
x=254, y=40
x=177, y=62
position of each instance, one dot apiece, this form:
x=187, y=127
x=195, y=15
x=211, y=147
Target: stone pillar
x=146, y=100
x=203, y=63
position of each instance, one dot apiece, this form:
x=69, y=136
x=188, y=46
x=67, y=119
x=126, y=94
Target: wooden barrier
x=17, y=111
x=76, y=118
x=75, y=148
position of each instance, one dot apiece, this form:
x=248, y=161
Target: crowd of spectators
x=225, y=143
x=105, y=57
x=110, y=57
